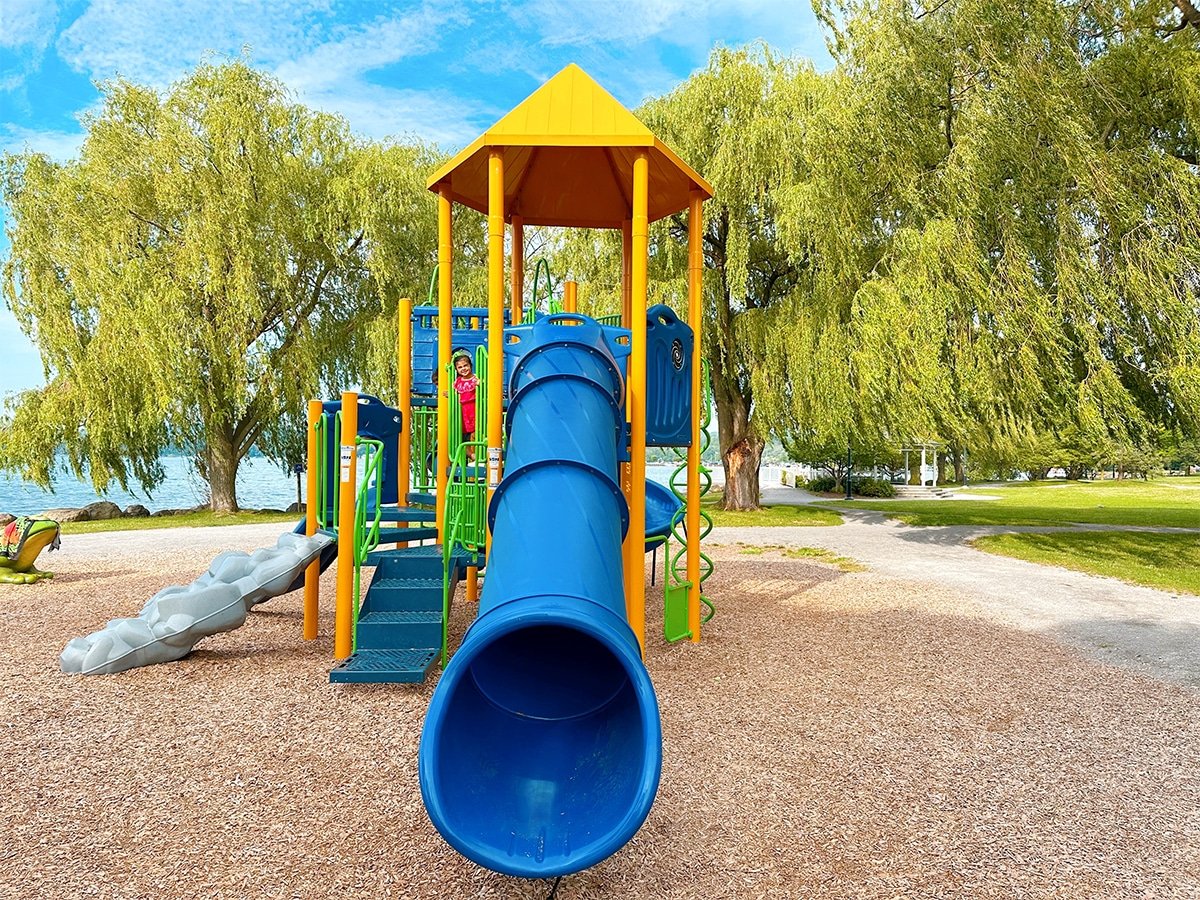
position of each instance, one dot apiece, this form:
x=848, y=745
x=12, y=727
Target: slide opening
x=542, y=753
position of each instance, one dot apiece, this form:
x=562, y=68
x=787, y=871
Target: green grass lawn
x=1164, y=501
x=191, y=519
x=771, y=515
x=1168, y=561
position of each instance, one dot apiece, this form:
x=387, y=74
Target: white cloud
x=58, y=145
x=26, y=27
x=584, y=22
x=154, y=42
x=327, y=65
x=377, y=112
x=27, y=23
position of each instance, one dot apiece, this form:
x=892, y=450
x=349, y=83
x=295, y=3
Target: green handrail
x=423, y=459
x=326, y=512
x=366, y=537
x=533, y=297
x=465, y=512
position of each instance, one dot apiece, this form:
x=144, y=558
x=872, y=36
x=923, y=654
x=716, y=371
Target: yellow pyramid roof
x=568, y=160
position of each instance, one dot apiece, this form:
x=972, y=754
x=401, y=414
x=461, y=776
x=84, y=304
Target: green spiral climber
x=676, y=561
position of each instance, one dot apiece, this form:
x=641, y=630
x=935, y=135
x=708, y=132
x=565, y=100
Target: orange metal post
x=626, y=270
x=696, y=320
x=635, y=565
x=495, y=374
x=626, y=286
x=570, y=297
x=472, y=583
x=348, y=481
x=517, y=290
x=404, y=396
x=445, y=284
x=312, y=575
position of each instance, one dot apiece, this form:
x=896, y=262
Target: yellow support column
x=312, y=575
x=626, y=319
x=495, y=373
x=517, y=291
x=626, y=271
x=347, y=482
x=404, y=396
x=635, y=565
x=570, y=297
x=696, y=320
x=445, y=285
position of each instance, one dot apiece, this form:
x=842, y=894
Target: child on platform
x=465, y=383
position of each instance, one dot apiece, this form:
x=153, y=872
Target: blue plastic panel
x=468, y=331
x=378, y=421
x=669, y=343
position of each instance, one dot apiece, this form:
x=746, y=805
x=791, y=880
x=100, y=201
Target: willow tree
x=1001, y=203
x=723, y=121
x=205, y=266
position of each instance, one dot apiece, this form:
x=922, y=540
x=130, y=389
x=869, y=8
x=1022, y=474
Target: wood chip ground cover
x=834, y=735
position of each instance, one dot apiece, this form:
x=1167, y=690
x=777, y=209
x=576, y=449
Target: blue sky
x=443, y=70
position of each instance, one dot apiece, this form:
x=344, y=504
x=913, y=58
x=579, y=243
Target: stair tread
x=398, y=664
x=419, y=584
x=401, y=617
x=392, y=513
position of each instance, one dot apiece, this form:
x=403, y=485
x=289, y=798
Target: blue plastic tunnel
x=542, y=748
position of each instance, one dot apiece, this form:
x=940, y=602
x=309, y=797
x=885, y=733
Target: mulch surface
x=833, y=736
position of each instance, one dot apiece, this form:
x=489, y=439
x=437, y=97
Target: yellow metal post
x=404, y=395
x=635, y=571
x=495, y=373
x=696, y=320
x=517, y=290
x=445, y=285
x=626, y=318
x=570, y=297
x=312, y=575
x=348, y=481
x=626, y=270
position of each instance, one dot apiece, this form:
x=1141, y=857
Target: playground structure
x=541, y=750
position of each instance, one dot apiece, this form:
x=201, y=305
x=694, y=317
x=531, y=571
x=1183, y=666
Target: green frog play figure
x=21, y=542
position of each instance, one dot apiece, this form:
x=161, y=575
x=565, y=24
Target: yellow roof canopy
x=568, y=154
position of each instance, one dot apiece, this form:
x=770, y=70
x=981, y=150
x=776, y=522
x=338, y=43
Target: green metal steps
x=409, y=514
x=394, y=535
x=399, y=631
x=408, y=665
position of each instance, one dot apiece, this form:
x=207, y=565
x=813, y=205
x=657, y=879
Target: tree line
x=980, y=228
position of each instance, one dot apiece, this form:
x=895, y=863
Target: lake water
x=260, y=484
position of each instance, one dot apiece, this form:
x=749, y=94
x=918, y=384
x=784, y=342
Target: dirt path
x=833, y=736
x=1153, y=631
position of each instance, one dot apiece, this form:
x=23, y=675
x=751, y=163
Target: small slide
x=542, y=747
x=175, y=618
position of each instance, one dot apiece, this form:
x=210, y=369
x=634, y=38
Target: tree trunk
x=741, y=447
x=741, y=474
x=222, y=470
x=960, y=471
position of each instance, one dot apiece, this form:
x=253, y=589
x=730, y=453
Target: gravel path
x=834, y=735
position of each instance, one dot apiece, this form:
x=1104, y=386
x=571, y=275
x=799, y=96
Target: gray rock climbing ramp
x=175, y=618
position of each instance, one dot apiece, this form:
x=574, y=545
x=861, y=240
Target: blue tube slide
x=542, y=747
